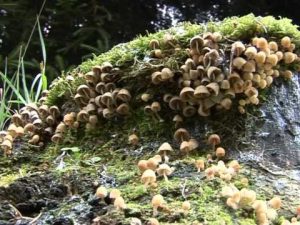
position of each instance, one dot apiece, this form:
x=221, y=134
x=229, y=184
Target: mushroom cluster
x=265, y=211
x=114, y=195
x=212, y=76
x=100, y=97
x=37, y=124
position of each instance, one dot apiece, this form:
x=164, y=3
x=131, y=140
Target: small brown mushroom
x=214, y=140
x=156, y=202
x=165, y=149
x=148, y=178
x=164, y=170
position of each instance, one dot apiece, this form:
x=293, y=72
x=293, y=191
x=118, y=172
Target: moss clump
x=126, y=56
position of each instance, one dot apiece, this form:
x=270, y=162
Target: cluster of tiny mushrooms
x=215, y=76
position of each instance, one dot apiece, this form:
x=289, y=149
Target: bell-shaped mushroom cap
x=156, y=77
x=214, y=139
x=57, y=138
x=186, y=94
x=145, y=97
x=123, y=109
x=238, y=62
x=237, y=48
x=249, y=66
x=90, y=108
x=106, y=67
x=251, y=91
x=213, y=72
x=124, y=95
x=196, y=43
x=166, y=74
x=101, y=192
x=35, y=139
x=177, y=118
x=176, y=103
x=84, y=90
x=80, y=99
x=181, y=134
x=226, y=103
x=61, y=128
x=97, y=70
x=152, y=221
x=133, y=139
x=167, y=97
x=69, y=118
x=142, y=165
x=119, y=203
x=220, y=152
x=185, y=147
x=108, y=113
x=107, y=99
x=157, y=201
x=154, y=44
x=12, y=129
x=285, y=42
x=100, y=88
x=289, y=57
x=9, y=137
x=93, y=120
x=155, y=107
x=164, y=169
x=193, y=143
x=6, y=144
x=225, y=85
x=82, y=116
x=54, y=111
x=29, y=127
x=17, y=119
x=203, y=111
x=260, y=57
x=148, y=176
x=114, y=193
x=165, y=147
x=201, y=92
x=50, y=120
x=147, y=110
x=213, y=88
x=250, y=52
x=189, y=111
x=20, y=131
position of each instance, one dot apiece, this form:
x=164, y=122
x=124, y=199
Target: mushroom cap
x=186, y=205
x=155, y=107
x=133, y=139
x=69, y=119
x=189, y=111
x=156, y=77
x=123, y=109
x=157, y=201
x=166, y=74
x=143, y=165
x=275, y=202
x=101, y=192
x=35, y=139
x=177, y=118
x=175, y=103
x=153, y=221
x=100, y=88
x=214, y=139
x=148, y=175
x=57, y=137
x=181, y=134
x=82, y=116
x=200, y=164
x=238, y=48
x=220, y=152
x=153, y=44
x=61, y=128
x=106, y=67
x=164, y=169
x=54, y=111
x=6, y=144
x=238, y=62
x=145, y=97
x=213, y=88
x=114, y=193
x=201, y=92
x=119, y=203
x=185, y=146
x=124, y=95
x=186, y=94
x=29, y=127
x=107, y=99
x=17, y=119
x=165, y=147
x=20, y=131
x=108, y=113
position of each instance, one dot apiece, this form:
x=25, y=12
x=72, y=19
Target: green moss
x=132, y=56
x=246, y=221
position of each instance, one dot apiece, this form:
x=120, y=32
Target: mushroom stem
x=155, y=211
x=166, y=158
x=166, y=177
x=158, y=117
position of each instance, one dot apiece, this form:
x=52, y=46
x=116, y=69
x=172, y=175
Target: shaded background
x=75, y=29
